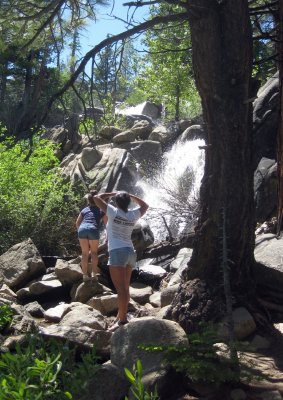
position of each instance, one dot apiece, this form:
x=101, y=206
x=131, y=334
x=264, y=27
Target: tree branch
x=106, y=42
x=45, y=24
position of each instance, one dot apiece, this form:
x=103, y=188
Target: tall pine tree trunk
x=222, y=60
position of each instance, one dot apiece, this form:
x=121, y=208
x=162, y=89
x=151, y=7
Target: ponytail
x=90, y=197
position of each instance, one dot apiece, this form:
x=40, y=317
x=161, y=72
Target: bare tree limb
x=106, y=42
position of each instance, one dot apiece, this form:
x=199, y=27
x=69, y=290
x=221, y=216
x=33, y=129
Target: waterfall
x=172, y=192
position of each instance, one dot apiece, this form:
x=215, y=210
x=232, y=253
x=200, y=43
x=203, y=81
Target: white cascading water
x=160, y=190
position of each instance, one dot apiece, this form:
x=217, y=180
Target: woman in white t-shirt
x=122, y=255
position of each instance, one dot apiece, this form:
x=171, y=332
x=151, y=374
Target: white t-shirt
x=120, y=226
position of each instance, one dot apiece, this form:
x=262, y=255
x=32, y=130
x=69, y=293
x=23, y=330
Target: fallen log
x=169, y=247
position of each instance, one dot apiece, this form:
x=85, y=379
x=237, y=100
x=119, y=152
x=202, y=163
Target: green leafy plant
x=44, y=370
x=6, y=316
x=35, y=201
x=200, y=360
x=137, y=388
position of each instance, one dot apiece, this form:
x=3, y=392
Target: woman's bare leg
x=85, y=251
x=93, y=250
x=121, y=279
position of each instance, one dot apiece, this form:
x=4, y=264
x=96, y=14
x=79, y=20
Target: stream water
x=172, y=192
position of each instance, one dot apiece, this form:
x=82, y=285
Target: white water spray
x=173, y=191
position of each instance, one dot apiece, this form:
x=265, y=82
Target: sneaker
x=117, y=325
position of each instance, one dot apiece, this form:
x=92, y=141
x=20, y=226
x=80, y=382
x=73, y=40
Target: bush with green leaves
x=6, y=316
x=45, y=370
x=200, y=360
x=35, y=201
x=137, y=386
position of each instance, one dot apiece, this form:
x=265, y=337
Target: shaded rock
x=82, y=316
x=146, y=155
x=108, y=132
x=13, y=341
x=83, y=336
x=193, y=132
x=142, y=236
x=150, y=109
x=155, y=299
x=109, y=383
x=182, y=257
x=151, y=274
x=265, y=189
x=84, y=291
x=24, y=295
x=184, y=124
x=265, y=120
x=269, y=255
x=168, y=294
x=35, y=309
x=142, y=129
x=42, y=287
x=259, y=342
x=68, y=272
x=162, y=313
x=90, y=157
x=7, y=293
x=161, y=134
x=140, y=292
x=161, y=379
x=126, y=136
x=20, y=264
x=106, y=304
x=146, y=330
x=244, y=324
x=23, y=324
x=238, y=394
x=55, y=314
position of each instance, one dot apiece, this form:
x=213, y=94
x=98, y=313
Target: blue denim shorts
x=122, y=257
x=87, y=231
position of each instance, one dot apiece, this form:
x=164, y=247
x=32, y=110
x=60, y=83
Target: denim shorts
x=122, y=257
x=87, y=231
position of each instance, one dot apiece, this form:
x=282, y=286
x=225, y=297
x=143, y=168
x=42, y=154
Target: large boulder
x=265, y=189
x=125, y=350
x=162, y=134
x=265, y=120
x=142, y=236
x=193, y=132
x=108, y=132
x=125, y=136
x=21, y=264
x=90, y=157
x=269, y=256
x=145, y=153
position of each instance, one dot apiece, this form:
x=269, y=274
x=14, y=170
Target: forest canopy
x=35, y=78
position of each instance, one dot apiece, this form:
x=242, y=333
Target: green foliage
x=6, y=316
x=44, y=370
x=137, y=388
x=166, y=75
x=264, y=26
x=200, y=360
x=35, y=201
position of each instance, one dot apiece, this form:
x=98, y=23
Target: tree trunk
x=222, y=61
x=280, y=127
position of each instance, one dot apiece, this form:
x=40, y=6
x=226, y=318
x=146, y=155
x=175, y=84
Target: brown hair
x=89, y=197
x=123, y=200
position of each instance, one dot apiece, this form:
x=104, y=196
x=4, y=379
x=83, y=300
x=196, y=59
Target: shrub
x=200, y=361
x=137, y=388
x=6, y=316
x=44, y=370
x=35, y=202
